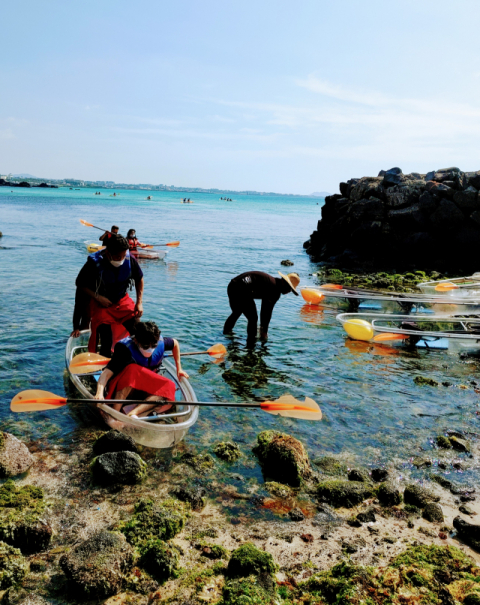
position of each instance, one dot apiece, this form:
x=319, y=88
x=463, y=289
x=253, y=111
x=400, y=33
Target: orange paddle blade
x=36, y=401
x=446, y=287
x=85, y=223
x=173, y=244
x=387, y=336
x=311, y=296
x=217, y=350
x=87, y=363
x=293, y=408
x=332, y=286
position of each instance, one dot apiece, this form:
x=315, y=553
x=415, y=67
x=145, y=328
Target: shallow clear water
x=373, y=411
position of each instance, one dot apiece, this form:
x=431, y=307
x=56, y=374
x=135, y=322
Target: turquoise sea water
x=373, y=411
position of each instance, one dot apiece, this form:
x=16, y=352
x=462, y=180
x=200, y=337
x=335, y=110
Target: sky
x=291, y=97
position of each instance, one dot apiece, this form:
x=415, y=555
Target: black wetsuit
x=242, y=292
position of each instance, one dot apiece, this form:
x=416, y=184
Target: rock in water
x=95, y=567
x=296, y=514
x=287, y=263
x=388, y=494
x=21, y=518
x=282, y=458
x=418, y=496
x=379, y=474
x=20, y=596
x=249, y=560
x=195, y=496
x=469, y=532
x=343, y=493
x=160, y=559
x=114, y=441
x=15, y=458
x=160, y=521
x=433, y=512
x=13, y=566
x=227, y=450
x=126, y=468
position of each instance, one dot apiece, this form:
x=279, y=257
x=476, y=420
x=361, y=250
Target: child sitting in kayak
x=133, y=241
x=132, y=372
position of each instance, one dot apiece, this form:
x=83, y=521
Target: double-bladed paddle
x=88, y=363
x=171, y=244
x=286, y=405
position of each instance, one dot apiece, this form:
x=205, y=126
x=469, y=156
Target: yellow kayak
x=92, y=247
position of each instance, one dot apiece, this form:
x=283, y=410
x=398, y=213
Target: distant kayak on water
x=153, y=254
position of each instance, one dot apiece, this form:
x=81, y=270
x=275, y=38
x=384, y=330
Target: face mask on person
x=117, y=263
x=146, y=352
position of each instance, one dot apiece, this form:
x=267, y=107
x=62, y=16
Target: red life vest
x=133, y=243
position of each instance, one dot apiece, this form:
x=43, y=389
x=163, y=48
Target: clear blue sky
x=268, y=95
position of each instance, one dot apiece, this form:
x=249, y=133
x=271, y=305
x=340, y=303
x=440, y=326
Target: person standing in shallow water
x=245, y=288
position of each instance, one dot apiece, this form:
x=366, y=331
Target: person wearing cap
x=102, y=286
x=108, y=234
x=245, y=288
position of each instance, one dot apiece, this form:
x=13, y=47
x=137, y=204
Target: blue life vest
x=114, y=282
x=153, y=362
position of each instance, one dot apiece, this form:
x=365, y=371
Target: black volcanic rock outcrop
x=402, y=221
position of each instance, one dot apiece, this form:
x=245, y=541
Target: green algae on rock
x=200, y=462
x=248, y=591
x=13, y=566
x=195, y=496
x=425, y=380
x=152, y=521
x=160, y=559
x=418, y=496
x=95, y=568
x=125, y=468
x=443, y=442
x=227, y=450
x=278, y=489
x=249, y=560
x=388, y=494
x=213, y=551
x=282, y=458
x=21, y=524
x=343, y=493
x=433, y=512
x=331, y=466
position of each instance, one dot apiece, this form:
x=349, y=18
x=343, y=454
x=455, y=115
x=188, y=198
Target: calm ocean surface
x=373, y=411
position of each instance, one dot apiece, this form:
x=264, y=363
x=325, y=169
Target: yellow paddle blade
x=173, y=244
x=332, y=286
x=87, y=363
x=36, y=401
x=85, y=223
x=387, y=336
x=446, y=287
x=217, y=350
x=311, y=296
x=287, y=405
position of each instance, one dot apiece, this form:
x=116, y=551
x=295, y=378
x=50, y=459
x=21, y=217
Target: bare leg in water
x=142, y=409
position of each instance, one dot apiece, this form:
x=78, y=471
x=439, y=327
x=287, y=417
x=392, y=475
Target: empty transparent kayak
x=426, y=332
x=466, y=286
x=161, y=431
x=375, y=301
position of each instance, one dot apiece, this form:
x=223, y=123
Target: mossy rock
x=282, y=458
x=214, y=551
x=114, y=441
x=200, y=462
x=160, y=559
x=278, y=489
x=249, y=591
x=124, y=468
x=249, y=560
x=21, y=524
x=472, y=599
x=425, y=381
x=459, y=444
x=418, y=496
x=388, y=494
x=331, y=466
x=195, y=496
x=13, y=566
x=343, y=493
x=433, y=512
x=443, y=442
x=227, y=450
x=154, y=521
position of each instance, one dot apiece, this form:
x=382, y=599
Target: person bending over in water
x=245, y=288
x=132, y=371
x=108, y=234
x=102, y=294
x=133, y=241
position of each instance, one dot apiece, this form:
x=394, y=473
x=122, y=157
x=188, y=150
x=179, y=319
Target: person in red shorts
x=132, y=371
x=102, y=294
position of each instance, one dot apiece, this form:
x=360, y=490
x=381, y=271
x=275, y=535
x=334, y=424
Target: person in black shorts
x=245, y=288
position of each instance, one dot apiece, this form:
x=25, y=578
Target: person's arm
x=139, y=304
x=102, y=300
x=86, y=283
x=79, y=312
x=176, y=355
x=104, y=236
x=102, y=383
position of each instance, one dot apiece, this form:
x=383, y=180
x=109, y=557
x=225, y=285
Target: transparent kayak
x=466, y=286
x=357, y=299
x=453, y=333
x=144, y=253
x=162, y=431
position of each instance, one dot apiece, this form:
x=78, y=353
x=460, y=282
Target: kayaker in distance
x=107, y=234
x=132, y=240
x=132, y=371
x=104, y=281
x=245, y=288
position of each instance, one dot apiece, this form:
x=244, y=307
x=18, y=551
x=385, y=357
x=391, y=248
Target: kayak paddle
x=171, y=244
x=87, y=363
x=286, y=405
x=90, y=225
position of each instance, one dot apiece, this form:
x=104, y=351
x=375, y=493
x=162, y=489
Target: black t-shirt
x=260, y=285
x=122, y=357
x=89, y=278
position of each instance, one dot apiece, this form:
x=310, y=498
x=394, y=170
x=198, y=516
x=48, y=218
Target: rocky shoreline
x=402, y=222
x=180, y=527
